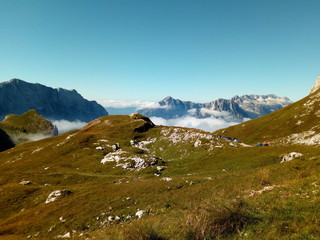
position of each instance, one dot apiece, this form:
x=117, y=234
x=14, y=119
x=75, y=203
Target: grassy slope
x=202, y=179
x=19, y=126
x=278, y=124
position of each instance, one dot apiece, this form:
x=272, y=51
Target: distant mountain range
x=246, y=106
x=17, y=97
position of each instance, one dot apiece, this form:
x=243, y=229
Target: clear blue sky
x=195, y=50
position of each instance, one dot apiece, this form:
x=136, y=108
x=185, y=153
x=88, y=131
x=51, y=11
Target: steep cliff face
x=5, y=141
x=17, y=97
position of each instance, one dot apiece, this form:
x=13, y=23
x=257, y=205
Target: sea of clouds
x=66, y=126
x=210, y=120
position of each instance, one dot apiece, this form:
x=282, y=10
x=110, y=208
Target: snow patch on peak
x=316, y=85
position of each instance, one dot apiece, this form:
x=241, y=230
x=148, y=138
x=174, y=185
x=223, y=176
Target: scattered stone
x=142, y=145
x=67, y=235
x=167, y=179
x=100, y=148
x=25, y=183
x=139, y=213
x=115, y=147
x=197, y=143
x=291, y=156
x=56, y=194
x=266, y=188
x=160, y=168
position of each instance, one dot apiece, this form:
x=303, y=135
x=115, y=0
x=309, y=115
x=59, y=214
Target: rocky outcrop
x=291, y=156
x=316, y=85
x=17, y=97
x=5, y=141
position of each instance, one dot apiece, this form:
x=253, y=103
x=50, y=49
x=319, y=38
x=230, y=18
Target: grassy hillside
x=21, y=127
x=189, y=184
x=298, y=117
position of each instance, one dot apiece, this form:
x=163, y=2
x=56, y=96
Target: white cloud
x=138, y=104
x=209, y=124
x=217, y=114
x=28, y=137
x=65, y=126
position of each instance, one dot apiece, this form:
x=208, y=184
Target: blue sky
x=197, y=50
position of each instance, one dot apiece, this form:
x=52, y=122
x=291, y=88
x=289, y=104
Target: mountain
x=122, y=177
x=5, y=141
x=30, y=126
x=247, y=106
x=297, y=123
x=17, y=97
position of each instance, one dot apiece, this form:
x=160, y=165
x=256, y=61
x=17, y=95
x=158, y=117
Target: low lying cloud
x=65, y=126
x=138, y=104
x=209, y=124
x=25, y=137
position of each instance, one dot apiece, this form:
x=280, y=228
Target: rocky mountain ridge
x=239, y=107
x=18, y=96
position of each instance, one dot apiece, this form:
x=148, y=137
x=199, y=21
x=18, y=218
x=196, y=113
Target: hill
x=18, y=97
x=122, y=177
x=294, y=124
x=27, y=127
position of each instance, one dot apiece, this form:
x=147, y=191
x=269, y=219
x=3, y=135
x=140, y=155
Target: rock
x=5, y=141
x=115, y=147
x=140, y=213
x=160, y=168
x=291, y=156
x=316, y=85
x=167, y=179
x=57, y=194
x=197, y=143
x=25, y=183
x=67, y=235
x=266, y=188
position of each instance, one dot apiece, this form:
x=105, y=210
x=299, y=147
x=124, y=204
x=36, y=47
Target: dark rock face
x=5, y=141
x=247, y=106
x=17, y=97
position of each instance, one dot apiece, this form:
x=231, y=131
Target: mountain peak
x=167, y=98
x=316, y=85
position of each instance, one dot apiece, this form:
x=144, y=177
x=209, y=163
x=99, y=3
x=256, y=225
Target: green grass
x=278, y=124
x=208, y=187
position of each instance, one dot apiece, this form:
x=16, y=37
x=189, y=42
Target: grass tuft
x=216, y=222
x=142, y=231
